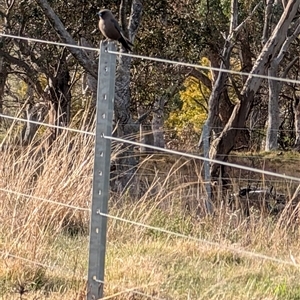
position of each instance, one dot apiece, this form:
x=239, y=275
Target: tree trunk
x=146, y=135
x=273, y=111
x=37, y=113
x=89, y=82
x=126, y=162
x=274, y=90
x=296, y=107
x=3, y=77
x=267, y=23
x=60, y=97
x=222, y=146
x=158, y=122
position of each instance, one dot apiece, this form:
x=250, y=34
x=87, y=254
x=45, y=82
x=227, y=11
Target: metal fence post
x=101, y=175
x=208, y=204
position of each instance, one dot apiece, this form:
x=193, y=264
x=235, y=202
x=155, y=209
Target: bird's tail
x=125, y=42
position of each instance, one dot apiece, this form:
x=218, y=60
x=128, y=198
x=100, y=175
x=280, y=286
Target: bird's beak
x=98, y=14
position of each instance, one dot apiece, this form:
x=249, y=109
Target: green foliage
x=285, y=291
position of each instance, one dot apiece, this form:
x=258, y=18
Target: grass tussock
x=213, y=261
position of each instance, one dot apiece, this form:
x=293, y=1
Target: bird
x=111, y=29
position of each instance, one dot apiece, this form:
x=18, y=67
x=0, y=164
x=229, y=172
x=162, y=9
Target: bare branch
x=202, y=77
x=135, y=18
x=288, y=41
x=268, y=17
x=30, y=72
x=83, y=59
x=289, y=66
x=239, y=27
x=234, y=16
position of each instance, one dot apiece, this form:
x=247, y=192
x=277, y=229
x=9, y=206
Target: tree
x=225, y=142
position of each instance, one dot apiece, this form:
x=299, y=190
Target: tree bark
x=146, y=135
x=89, y=84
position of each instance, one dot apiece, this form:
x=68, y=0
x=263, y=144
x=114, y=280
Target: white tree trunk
x=273, y=111
x=297, y=123
x=275, y=88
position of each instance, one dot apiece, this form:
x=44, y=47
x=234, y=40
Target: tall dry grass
x=35, y=181
x=168, y=192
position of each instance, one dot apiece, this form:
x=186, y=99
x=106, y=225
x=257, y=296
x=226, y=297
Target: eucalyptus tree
x=222, y=145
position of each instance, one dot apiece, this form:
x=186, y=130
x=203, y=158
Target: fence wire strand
x=7, y=255
x=162, y=60
x=134, y=290
x=120, y=140
x=47, y=124
x=44, y=200
x=170, y=151
x=205, y=242
x=176, y=234
x=29, y=39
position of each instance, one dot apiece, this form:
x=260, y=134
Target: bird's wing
x=117, y=26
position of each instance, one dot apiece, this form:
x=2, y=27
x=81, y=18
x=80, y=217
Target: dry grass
x=139, y=260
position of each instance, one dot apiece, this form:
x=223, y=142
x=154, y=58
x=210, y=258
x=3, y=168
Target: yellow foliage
x=43, y=80
x=22, y=89
x=23, y=86
x=193, y=112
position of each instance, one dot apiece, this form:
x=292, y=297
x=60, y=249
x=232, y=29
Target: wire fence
x=167, y=61
x=216, y=245
x=162, y=230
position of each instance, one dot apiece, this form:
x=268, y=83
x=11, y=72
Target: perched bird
x=110, y=28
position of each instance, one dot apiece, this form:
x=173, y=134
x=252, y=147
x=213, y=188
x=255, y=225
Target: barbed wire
x=203, y=158
x=45, y=200
x=205, y=242
x=46, y=124
x=162, y=60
